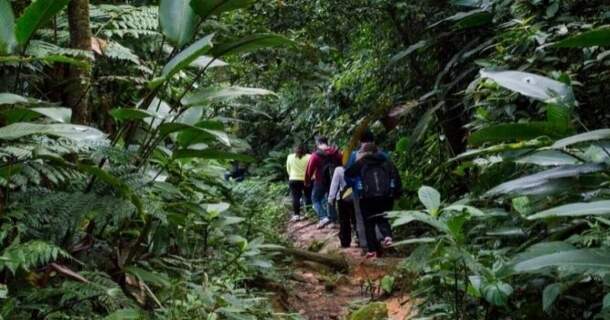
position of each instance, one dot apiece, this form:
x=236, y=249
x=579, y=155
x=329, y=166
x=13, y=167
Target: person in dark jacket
x=375, y=196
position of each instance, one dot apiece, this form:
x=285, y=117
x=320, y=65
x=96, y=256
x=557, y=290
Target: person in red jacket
x=320, y=169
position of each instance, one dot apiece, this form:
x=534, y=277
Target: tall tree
x=79, y=77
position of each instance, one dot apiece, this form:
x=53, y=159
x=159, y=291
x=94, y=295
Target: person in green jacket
x=296, y=164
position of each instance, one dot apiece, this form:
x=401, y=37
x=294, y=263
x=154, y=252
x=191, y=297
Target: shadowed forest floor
x=318, y=293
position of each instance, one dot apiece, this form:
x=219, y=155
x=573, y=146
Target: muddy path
x=318, y=293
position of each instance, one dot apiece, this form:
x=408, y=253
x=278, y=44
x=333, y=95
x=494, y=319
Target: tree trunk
x=79, y=78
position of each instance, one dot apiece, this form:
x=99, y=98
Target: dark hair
x=300, y=150
x=367, y=137
x=321, y=140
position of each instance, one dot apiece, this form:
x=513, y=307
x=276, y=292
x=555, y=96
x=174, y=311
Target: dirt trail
x=317, y=293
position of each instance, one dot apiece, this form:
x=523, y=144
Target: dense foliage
x=494, y=111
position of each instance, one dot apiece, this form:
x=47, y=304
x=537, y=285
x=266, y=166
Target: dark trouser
x=296, y=190
x=347, y=221
x=307, y=197
x=371, y=209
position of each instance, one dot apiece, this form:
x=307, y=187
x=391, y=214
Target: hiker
x=377, y=183
x=340, y=197
x=296, y=164
x=320, y=169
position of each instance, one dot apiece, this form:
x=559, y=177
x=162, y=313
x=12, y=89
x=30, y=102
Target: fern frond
x=30, y=254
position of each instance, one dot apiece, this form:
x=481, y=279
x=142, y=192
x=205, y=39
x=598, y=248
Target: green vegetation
x=112, y=202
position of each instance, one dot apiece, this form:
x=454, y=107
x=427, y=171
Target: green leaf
x=405, y=53
x=211, y=154
x=543, y=181
x=203, y=132
x=596, y=37
x=178, y=21
x=71, y=131
x=430, y=198
x=37, y=14
x=9, y=98
x=149, y=277
x=548, y=158
x=584, y=259
x=205, y=96
x=511, y=132
x=387, y=284
x=250, y=43
x=531, y=85
x=406, y=217
x=204, y=62
x=497, y=293
x=7, y=28
x=414, y=241
x=470, y=209
x=61, y=115
x=596, y=135
x=596, y=208
x=550, y=295
x=187, y=56
x=124, y=114
x=207, y=8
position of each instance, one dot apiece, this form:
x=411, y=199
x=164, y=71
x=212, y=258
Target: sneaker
x=323, y=223
x=295, y=218
x=387, y=242
x=371, y=255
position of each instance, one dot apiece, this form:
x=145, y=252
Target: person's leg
x=308, y=193
x=320, y=202
x=367, y=206
x=383, y=223
x=360, y=229
x=296, y=190
x=345, y=228
x=332, y=211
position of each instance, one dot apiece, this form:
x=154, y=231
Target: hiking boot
x=387, y=242
x=296, y=218
x=323, y=223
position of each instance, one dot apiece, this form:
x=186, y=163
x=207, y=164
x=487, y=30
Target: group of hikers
x=353, y=197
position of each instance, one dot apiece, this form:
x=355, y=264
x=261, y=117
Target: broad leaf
x=206, y=95
x=584, y=259
x=149, y=277
x=596, y=37
x=497, y=293
x=9, y=98
x=430, y=198
x=56, y=114
x=405, y=53
x=203, y=62
x=548, y=158
x=123, y=114
x=531, y=85
x=37, y=14
x=207, y=8
x=7, y=28
x=511, y=132
x=178, y=21
x=595, y=208
x=250, y=43
x=211, y=154
x=531, y=184
x=125, y=314
x=549, y=295
x=71, y=131
x=203, y=132
x=187, y=56
x=406, y=217
x=414, y=241
x=596, y=135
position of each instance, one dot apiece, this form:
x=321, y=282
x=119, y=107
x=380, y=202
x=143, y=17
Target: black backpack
x=327, y=169
x=377, y=179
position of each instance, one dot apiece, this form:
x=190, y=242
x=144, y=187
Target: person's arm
x=397, y=182
x=310, y=169
x=334, y=185
x=288, y=165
